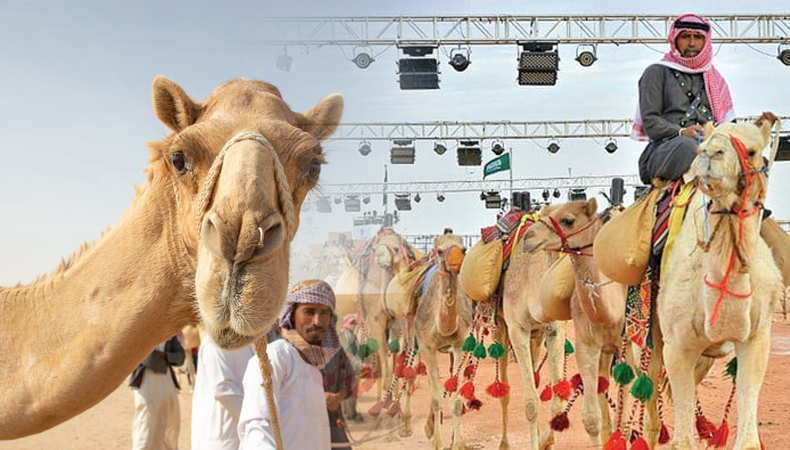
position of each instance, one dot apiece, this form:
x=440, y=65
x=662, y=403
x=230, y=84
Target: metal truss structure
x=444, y=187
x=404, y=31
x=453, y=130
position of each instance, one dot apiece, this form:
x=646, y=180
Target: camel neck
x=80, y=327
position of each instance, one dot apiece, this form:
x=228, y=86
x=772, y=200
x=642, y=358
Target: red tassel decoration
x=562, y=389
x=603, y=385
x=705, y=428
x=560, y=422
x=536, y=375
x=421, y=369
x=469, y=371
x=398, y=371
x=409, y=373
x=475, y=404
x=497, y=389
x=401, y=359
x=719, y=439
x=639, y=444
x=576, y=382
x=451, y=384
x=663, y=435
x=616, y=442
x=467, y=391
x=546, y=394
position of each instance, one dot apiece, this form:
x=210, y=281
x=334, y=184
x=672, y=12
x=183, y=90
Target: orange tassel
x=639, y=444
x=616, y=441
x=663, y=436
x=546, y=394
x=603, y=385
x=497, y=389
x=451, y=384
x=719, y=439
x=560, y=422
x=562, y=389
x=467, y=391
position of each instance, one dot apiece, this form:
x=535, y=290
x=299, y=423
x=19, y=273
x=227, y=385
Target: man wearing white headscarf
x=309, y=341
x=677, y=95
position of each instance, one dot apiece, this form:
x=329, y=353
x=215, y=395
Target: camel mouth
x=532, y=247
x=228, y=339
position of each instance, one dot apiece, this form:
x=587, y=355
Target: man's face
x=311, y=321
x=690, y=42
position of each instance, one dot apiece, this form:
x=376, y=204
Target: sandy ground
x=108, y=424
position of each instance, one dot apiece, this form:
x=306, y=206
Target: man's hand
x=162, y=354
x=332, y=401
x=691, y=131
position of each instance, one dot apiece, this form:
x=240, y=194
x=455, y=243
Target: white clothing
x=216, y=401
x=157, y=416
x=301, y=405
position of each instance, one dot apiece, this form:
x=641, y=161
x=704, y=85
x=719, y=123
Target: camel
x=441, y=320
x=362, y=289
x=720, y=281
x=597, y=307
x=205, y=239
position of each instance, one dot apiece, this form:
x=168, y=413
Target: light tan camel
x=526, y=334
x=597, y=307
x=362, y=289
x=721, y=286
x=441, y=321
x=205, y=240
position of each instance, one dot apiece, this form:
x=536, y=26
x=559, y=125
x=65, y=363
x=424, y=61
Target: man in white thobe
x=216, y=401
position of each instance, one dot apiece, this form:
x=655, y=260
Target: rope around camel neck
x=283, y=189
x=265, y=367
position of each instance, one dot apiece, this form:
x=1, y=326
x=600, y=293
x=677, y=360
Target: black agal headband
x=685, y=25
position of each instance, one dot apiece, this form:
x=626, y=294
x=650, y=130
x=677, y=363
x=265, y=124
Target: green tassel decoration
x=373, y=345
x=394, y=345
x=480, y=351
x=496, y=350
x=642, y=388
x=364, y=351
x=469, y=344
x=622, y=373
x=732, y=368
x=568, y=347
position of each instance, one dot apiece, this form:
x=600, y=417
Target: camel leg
x=652, y=421
x=752, y=363
x=432, y=431
x=588, y=358
x=555, y=350
x=504, y=402
x=407, y=431
x=457, y=404
x=520, y=339
x=679, y=364
x=380, y=334
x=604, y=368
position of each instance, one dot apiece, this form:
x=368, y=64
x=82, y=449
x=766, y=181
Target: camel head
x=241, y=164
x=451, y=251
x=561, y=227
x=730, y=164
x=392, y=251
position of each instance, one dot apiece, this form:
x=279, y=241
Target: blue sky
x=75, y=80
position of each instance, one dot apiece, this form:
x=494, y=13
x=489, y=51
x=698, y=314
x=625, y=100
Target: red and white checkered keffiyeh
x=311, y=291
x=715, y=86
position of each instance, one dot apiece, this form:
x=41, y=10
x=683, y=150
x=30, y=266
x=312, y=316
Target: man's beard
x=315, y=340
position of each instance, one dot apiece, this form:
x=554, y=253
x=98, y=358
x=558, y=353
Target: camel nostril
x=270, y=234
x=211, y=236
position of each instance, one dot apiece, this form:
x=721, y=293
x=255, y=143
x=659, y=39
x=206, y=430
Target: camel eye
x=315, y=170
x=179, y=162
x=567, y=222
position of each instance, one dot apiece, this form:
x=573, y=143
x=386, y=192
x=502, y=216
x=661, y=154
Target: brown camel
x=206, y=239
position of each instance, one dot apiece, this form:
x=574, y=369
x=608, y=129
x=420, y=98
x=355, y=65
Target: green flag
x=497, y=164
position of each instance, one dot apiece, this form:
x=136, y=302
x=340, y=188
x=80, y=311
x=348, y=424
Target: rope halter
x=283, y=188
x=555, y=227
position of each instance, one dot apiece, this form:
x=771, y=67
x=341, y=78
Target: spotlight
x=783, y=150
x=538, y=64
x=364, y=148
x=284, y=61
x=440, y=197
x=352, y=204
x=460, y=59
x=418, y=73
x=610, y=146
x=640, y=191
x=366, y=200
x=617, y=191
x=575, y=194
x=498, y=148
x=363, y=60
x=469, y=153
x=338, y=200
x=402, y=151
x=587, y=56
x=492, y=199
x=402, y=202
x=545, y=194
x=553, y=147
x=439, y=148
x=783, y=55
x=417, y=198
x=556, y=193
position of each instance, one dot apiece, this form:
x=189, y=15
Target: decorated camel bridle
x=286, y=203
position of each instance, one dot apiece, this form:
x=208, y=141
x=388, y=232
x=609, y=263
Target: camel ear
x=172, y=105
x=592, y=207
x=324, y=118
x=764, y=123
